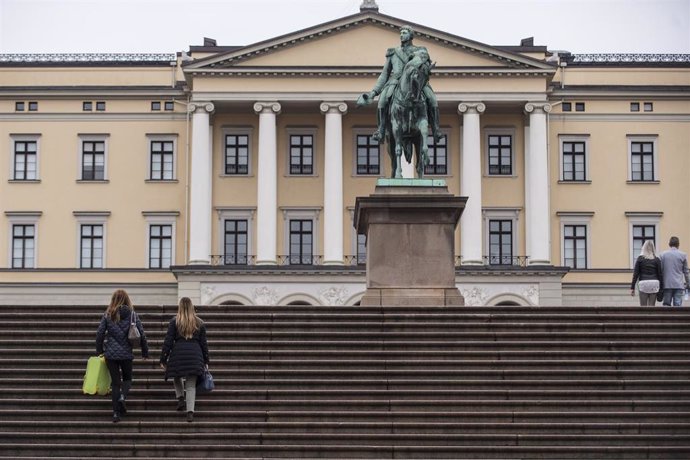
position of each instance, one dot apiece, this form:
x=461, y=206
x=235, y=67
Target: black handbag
x=204, y=383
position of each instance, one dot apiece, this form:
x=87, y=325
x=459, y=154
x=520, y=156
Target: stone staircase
x=363, y=382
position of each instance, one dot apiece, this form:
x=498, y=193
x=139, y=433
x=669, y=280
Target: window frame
x=572, y=138
x=150, y=139
x=290, y=214
x=490, y=214
x=92, y=138
x=651, y=139
x=301, y=132
x=501, y=132
x=646, y=219
x=32, y=106
x=100, y=106
x=22, y=218
x=155, y=106
x=366, y=132
x=14, y=138
x=87, y=106
x=170, y=104
x=577, y=219
x=20, y=106
x=161, y=218
x=446, y=134
x=233, y=213
x=91, y=218
x=237, y=131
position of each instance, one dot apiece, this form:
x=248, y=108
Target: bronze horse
x=408, y=121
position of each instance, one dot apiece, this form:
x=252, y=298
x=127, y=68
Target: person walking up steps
x=648, y=272
x=185, y=354
x=112, y=342
x=674, y=264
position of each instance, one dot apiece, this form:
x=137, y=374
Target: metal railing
x=283, y=260
x=499, y=261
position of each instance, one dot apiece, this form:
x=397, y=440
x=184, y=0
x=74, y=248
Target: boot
x=380, y=132
x=116, y=417
x=181, y=405
x=190, y=416
x=126, y=385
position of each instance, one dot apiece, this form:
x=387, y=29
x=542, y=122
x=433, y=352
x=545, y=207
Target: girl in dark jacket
x=185, y=354
x=112, y=341
x=648, y=272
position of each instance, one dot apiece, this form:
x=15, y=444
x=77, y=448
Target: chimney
x=210, y=42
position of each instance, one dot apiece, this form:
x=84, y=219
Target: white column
x=333, y=183
x=528, y=243
x=471, y=183
x=200, y=185
x=267, y=184
x=538, y=222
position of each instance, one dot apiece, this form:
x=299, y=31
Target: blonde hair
x=647, y=250
x=118, y=299
x=186, y=321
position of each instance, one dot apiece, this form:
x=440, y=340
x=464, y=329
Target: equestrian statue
x=407, y=105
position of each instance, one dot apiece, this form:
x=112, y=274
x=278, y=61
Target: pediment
x=358, y=43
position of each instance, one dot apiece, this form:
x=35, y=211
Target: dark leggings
x=120, y=383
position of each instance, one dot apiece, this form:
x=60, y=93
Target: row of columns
x=536, y=183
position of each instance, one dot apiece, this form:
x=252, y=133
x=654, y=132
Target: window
x=500, y=152
x=361, y=249
x=301, y=242
x=640, y=234
x=643, y=226
x=19, y=107
x=25, y=158
x=23, y=245
x=642, y=159
x=236, y=241
x=91, y=246
x=87, y=106
x=648, y=107
x=368, y=155
x=567, y=107
x=155, y=105
x=575, y=246
x=634, y=106
x=33, y=106
x=301, y=154
x=162, y=158
x=438, y=156
x=100, y=106
x=579, y=106
x=93, y=160
x=160, y=246
x=574, y=156
x=500, y=242
x=169, y=105
x=237, y=153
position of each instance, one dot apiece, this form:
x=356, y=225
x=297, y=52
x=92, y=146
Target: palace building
x=229, y=174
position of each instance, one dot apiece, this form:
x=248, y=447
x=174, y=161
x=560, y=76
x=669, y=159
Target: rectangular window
x=23, y=245
x=640, y=234
x=93, y=160
x=19, y=106
x=438, y=156
x=500, y=242
x=236, y=241
x=642, y=161
x=579, y=106
x=634, y=106
x=567, y=107
x=237, y=154
x=25, y=160
x=575, y=246
x=368, y=156
x=100, y=106
x=169, y=105
x=574, y=161
x=301, y=154
x=87, y=106
x=500, y=154
x=361, y=249
x=155, y=105
x=160, y=246
x=162, y=160
x=648, y=107
x=91, y=254
x=33, y=106
x=301, y=242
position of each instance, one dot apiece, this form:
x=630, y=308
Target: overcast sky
x=151, y=26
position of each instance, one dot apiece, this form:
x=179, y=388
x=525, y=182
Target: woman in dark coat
x=648, y=272
x=112, y=342
x=185, y=354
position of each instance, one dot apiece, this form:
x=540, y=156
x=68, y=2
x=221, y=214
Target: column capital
x=267, y=107
x=207, y=106
x=537, y=107
x=471, y=107
x=333, y=107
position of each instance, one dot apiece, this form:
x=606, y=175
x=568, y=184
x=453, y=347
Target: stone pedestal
x=410, y=228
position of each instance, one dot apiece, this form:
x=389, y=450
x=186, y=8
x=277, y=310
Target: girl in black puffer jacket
x=648, y=272
x=112, y=341
x=185, y=354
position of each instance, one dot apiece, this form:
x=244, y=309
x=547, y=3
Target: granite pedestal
x=410, y=228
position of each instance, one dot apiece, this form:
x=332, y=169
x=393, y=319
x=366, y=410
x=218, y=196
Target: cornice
x=78, y=117
x=626, y=117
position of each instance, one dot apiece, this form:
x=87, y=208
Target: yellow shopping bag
x=97, y=377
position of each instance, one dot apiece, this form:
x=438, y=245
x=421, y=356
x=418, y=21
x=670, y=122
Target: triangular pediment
x=359, y=42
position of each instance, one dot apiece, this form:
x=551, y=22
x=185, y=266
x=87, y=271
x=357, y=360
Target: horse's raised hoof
x=377, y=137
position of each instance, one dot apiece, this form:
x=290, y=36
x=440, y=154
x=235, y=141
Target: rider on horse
x=396, y=58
